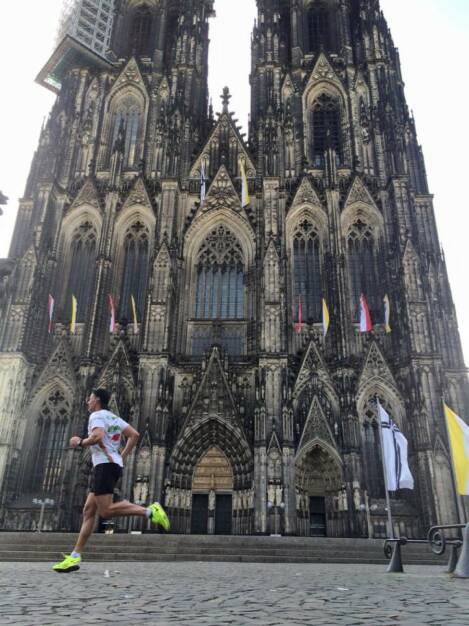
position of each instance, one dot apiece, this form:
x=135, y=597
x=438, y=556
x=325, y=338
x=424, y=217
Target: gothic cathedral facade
x=252, y=421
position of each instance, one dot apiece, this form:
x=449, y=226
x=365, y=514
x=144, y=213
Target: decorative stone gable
x=359, y=194
x=214, y=397
x=222, y=193
x=316, y=427
x=87, y=195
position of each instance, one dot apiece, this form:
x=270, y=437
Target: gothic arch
x=306, y=229
x=378, y=387
x=135, y=226
x=309, y=211
x=49, y=417
x=195, y=442
x=362, y=230
x=202, y=226
x=324, y=83
x=202, y=229
x=127, y=94
x=78, y=250
x=365, y=212
x=369, y=429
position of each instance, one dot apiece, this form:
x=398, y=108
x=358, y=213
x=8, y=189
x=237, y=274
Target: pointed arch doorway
x=212, y=495
x=319, y=488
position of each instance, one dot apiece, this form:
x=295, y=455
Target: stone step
x=158, y=547
x=105, y=557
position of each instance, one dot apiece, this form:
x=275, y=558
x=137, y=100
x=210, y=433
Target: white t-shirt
x=108, y=450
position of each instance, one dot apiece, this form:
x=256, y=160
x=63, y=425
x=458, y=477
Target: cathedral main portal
x=319, y=491
x=212, y=495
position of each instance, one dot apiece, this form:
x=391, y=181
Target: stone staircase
x=158, y=547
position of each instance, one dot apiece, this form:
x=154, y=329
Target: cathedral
x=216, y=254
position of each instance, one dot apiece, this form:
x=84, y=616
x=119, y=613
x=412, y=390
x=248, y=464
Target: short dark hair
x=103, y=396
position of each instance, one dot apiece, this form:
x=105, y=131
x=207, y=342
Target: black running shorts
x=104, y=478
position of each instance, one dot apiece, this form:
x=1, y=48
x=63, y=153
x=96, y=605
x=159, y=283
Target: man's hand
x=75, y=442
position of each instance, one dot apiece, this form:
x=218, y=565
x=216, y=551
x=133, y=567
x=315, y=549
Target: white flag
x=395, y=455
x=203, y=183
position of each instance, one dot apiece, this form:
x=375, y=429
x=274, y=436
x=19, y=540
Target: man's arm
x=132, y=439
x=95, y=438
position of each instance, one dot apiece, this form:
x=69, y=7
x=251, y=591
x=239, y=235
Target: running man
x=104, y=437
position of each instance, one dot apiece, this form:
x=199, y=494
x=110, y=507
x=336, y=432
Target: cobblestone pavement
x=215, y=594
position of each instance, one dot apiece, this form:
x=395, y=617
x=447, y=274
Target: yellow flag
x=326, y=320
x=458, y=432
x=387, y=314
x=134, y=314
x=245, y=199
x=73, y=320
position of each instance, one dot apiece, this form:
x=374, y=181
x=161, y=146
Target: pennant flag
x=51, y=312
x=245, y=199
x=203, y=184
x=134, y=314
x=73, y=321
x=395, y=454
x=299, y=323
x=387, y=314
x=112, y=310
x=365, y=318
x=458, y=432
x=325, y=318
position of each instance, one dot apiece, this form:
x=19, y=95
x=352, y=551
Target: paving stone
x=230, y=594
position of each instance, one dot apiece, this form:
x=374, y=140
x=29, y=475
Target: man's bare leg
x=89, y=520
x=107, y=508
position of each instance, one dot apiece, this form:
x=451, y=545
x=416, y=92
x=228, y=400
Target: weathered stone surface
x=205, y=594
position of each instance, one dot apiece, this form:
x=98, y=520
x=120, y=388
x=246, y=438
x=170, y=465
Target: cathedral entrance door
x=199, y=520
x=212, y=488
x=317, y=516
x=318, y=482
x=223, y=514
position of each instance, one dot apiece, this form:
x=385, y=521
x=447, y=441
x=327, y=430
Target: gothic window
x=319, y=29
x=371, y=449
x=82, y=270
x=220, y=277
x=364, y=271
x=307, y=270
x=140, y=33
x=325, y=127
x=136, y=259
x=50, y=444
x=125, y=130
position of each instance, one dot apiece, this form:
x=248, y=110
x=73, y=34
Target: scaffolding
x=88, y=21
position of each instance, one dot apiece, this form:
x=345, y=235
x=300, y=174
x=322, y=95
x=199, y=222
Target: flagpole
x=388, y=499
x=458, y=500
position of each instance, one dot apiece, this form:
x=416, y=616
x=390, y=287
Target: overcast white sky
x=433, y=38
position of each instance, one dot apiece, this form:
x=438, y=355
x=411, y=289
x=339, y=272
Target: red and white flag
x=366, y=325
x=112, y=310
x=51, y=312
x=299, y=323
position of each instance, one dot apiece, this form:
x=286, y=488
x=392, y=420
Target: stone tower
x=252, y=420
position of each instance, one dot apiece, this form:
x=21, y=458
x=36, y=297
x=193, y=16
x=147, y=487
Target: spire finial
x=225, y=98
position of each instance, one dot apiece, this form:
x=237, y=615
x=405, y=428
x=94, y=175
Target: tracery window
x=307, y=270
x=364, y=271
x=140, y=33
x=125, y=130
x=325, y=127
x=220, y=277
x=136, y=259
x=82, y=270
x=50, y=443
x=371, y=448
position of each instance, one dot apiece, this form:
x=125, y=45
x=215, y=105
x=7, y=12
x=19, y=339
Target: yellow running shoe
x=68, y=565
x=158, y=516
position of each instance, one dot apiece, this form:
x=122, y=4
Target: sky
x=433, y=39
